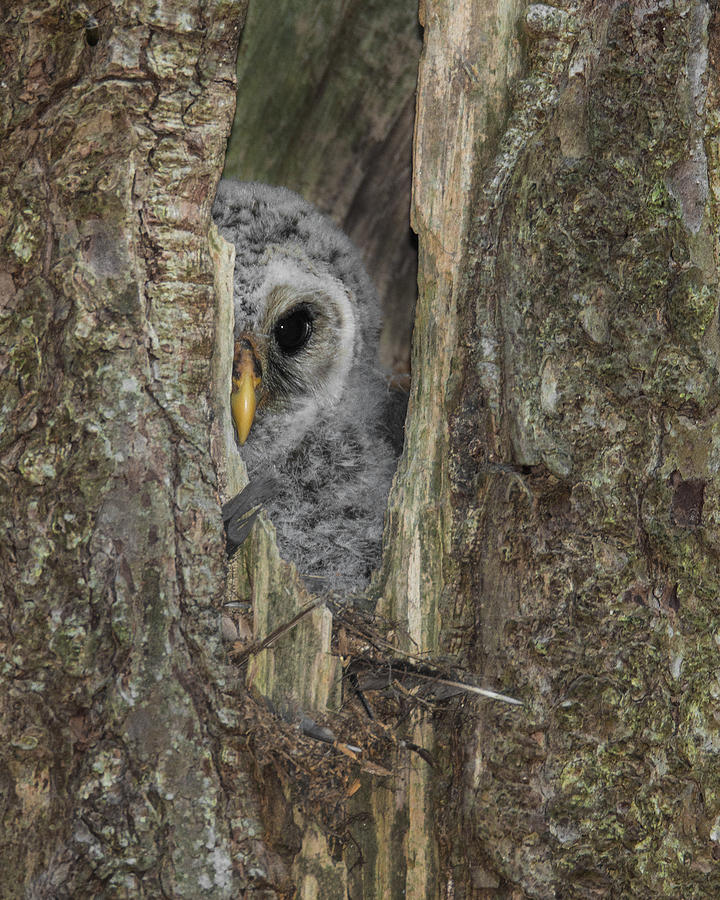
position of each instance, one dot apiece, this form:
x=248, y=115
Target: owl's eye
x=293, y=331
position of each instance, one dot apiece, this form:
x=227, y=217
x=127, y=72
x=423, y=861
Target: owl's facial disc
x=310, y=335
x=246, y=378
x=296, y=331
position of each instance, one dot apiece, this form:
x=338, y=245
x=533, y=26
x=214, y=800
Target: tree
x=112, y=685
x=551, y=532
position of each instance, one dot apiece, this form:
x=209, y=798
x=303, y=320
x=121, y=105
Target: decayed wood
x=470, y=56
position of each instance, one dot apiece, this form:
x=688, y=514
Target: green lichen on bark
x=595, y=311
x=112, y=565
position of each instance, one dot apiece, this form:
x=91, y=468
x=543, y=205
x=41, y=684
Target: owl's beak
x=245, y=378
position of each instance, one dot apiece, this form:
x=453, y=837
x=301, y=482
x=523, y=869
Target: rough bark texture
x=114, y=693
x=564, y=543
x=553, y=527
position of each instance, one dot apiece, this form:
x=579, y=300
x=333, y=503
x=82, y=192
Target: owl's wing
x=239, y=514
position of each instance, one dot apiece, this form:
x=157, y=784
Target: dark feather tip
x=240, y=512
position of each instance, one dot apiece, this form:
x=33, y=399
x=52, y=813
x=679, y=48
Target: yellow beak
x=242, y=398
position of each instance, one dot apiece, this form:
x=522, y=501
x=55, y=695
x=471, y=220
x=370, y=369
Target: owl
x=315, y=421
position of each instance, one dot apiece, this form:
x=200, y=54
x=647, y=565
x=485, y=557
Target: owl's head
x=306, y=314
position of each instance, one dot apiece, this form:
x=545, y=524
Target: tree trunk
x=119, y=766
x=552, y=528
x=556, y=514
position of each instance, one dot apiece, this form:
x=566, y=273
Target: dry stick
x=279, y=631
x=461, y=685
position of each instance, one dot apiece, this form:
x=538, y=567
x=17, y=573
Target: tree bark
x=564, y=542
x=119, y=772
x=552, y=531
